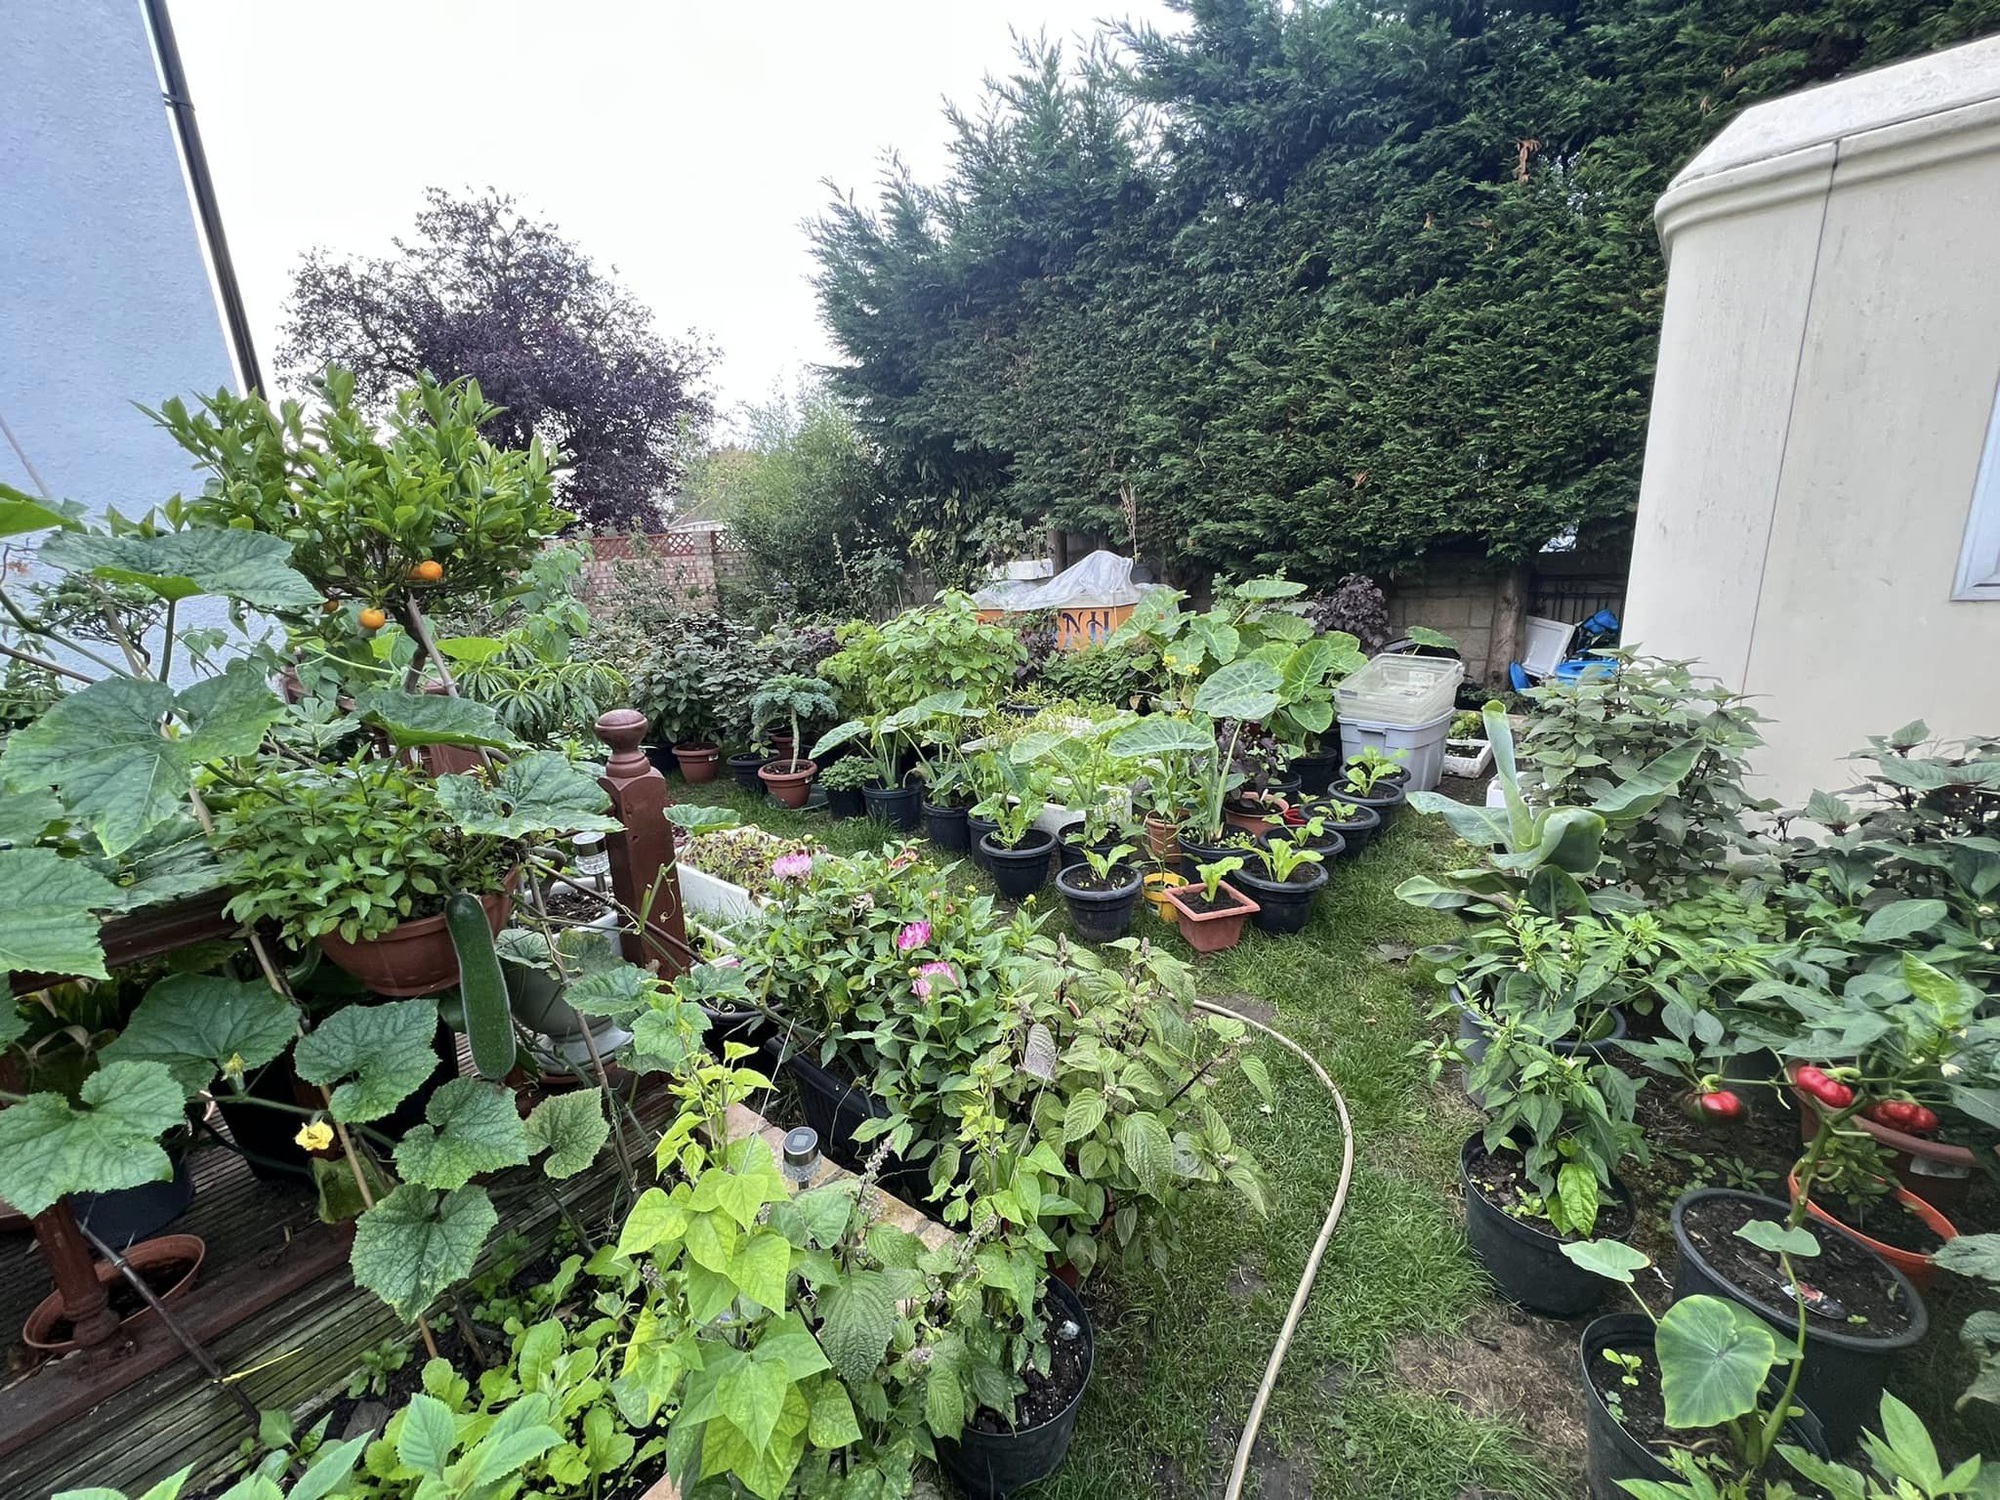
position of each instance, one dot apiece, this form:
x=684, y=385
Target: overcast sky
x=682, y=143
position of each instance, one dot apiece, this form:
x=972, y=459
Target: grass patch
x=1183, y=1349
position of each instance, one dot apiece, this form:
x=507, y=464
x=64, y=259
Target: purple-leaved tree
x=481, y=289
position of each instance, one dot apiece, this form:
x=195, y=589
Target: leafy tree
x=1311, y=285
x=569, y=355
x=806, y=498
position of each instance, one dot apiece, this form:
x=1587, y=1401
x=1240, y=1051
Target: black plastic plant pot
x=744, y=766
x=1199, y=851
x=1356, y=822
x=1525, y=1258
x=946, y=827
x=991, y=1464
x=1472, y=1032
x=846, y=802
x=263, y=1135
x=836, y=1109
x=1100, y=916
x=126, y=1215
x=1385, y=801
x=897, y=806
x=747, y=1026
x=976, y=828
x=1613, y=1454
x=1844, y=1373
x=1315, y=773
x=1287, y=786
x=1019, y=870
x=662, y=757
x=1283, y=906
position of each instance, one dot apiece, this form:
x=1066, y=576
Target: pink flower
x=792, y=866
x=943, y=972
x=915, y=935
x=727, y=961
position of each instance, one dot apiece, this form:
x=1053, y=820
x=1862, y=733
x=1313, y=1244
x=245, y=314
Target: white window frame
x=1979, y=559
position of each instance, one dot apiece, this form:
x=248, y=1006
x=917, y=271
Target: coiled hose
x=1248, y=1441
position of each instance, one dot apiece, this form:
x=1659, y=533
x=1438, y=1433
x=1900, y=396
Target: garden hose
x=1248, y=1441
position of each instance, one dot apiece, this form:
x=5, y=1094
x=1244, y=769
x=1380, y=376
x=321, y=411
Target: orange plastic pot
x=698, y=763
x=1211, y=931
x=412, y=958
x=1917, y=1267
x=790, y=785
x=1936, y=1171
x=164, y=1250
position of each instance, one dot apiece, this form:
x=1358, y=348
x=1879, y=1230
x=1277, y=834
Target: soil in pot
x=1198, y=849
x=1019, y=870
x=1100, y=906
x=1889, y=1219
x=1283, y=906
x=1626, y=1415
x=1517, y=1245
x=999, y=1453
x=1862, y=1313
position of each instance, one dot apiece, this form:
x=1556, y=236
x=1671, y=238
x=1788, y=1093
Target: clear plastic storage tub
x=1400, y=690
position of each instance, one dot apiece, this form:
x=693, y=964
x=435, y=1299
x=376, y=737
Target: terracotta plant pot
x=1211, y=931
x=412, y=958
x=168, y=1250
x=1936, y=1171
x=698, y=763
x=1249, y=816
x=789, y=781
x=1163, y=838
x=1917, y=1267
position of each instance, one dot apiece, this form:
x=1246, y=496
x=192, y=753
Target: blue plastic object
x=1580, y=668
x=1517, y=675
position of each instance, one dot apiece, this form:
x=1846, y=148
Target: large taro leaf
x=26, y=816
x=1714, y=1359
x=198, y=1025
x=103, y=748
x=471, y=1126
x=1160, y=735
x=373, y=1057
x=413, y=719
x=414, y=1243
x=252, y=566
x=49, y=1149
x=541, y=792
x=1244, y=690
x=573, y=1129
x=46, y=921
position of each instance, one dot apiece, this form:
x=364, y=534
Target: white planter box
x=706, y=895
x=1467, y=758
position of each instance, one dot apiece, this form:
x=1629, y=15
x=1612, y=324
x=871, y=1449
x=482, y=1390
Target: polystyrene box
x=1401, y=690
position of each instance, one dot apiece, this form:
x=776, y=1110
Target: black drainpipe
x=181, y=107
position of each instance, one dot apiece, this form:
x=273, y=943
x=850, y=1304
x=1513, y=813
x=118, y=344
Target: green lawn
x=1362, y=1409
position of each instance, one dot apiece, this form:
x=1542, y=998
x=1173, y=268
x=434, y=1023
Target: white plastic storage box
x=1401, y=690
x=1419, y=747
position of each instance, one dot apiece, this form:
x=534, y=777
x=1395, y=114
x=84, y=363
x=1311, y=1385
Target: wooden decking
x=276, y=1307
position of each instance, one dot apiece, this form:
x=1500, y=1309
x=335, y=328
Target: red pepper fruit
x=1828, y=1091
x=1904, y=1114
x=1716, y=1106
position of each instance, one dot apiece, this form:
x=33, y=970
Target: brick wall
x=695, y=560
x=1457, y=596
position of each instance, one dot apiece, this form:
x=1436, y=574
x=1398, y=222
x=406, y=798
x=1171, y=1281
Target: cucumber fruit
x=489, y=1024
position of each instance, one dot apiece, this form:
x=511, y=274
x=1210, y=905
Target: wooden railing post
x=86, y=1301
x=642, y=856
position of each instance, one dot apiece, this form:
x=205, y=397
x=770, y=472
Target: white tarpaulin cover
x=1098, y=581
